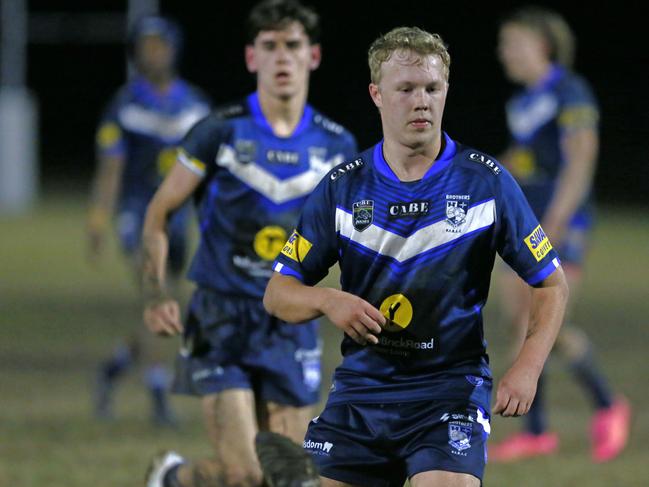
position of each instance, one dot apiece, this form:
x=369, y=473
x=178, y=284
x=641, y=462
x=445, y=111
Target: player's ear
x=375, y=94
x=251, y=61
x=316, y=57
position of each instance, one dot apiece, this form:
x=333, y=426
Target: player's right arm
x=105, y=187
x=161, y=311
x=111, y=149
x=307, y=256
x=291, y=300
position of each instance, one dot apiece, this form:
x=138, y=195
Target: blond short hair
x=410, y=39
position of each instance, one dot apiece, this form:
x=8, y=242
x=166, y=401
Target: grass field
x=58, y=316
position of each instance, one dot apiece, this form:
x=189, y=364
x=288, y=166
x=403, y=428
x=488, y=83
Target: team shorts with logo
x=130, y=220
x=381, y=445
x=232, y=343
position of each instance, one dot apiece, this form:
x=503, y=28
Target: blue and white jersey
x=538, y=117
x=422, y=252
x=145, y=127
x=254, y=186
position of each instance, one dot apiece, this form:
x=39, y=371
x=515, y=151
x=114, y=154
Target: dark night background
x=73, y=82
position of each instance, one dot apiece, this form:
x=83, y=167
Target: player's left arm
x=517, y=388
x=580, y=148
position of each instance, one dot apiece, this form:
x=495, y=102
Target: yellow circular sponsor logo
x=269, y=242
x=166, y=160
x=398, y=310
x=108, y=135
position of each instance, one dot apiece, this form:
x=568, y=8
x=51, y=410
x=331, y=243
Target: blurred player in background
x=136, y=143
x=249, y=167
x=553, y=122
x=415, y=223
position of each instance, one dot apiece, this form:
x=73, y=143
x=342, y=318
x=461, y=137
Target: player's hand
x=355, y=316
x=515, y=392
x=162, y=316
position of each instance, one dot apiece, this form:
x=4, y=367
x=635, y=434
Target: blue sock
x=535, y=419
x=117, y=364
x=589, y=376
x=157, y=379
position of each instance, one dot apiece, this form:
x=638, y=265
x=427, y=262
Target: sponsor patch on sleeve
x=576, y=117
x=296, y=247
x=194, y=165
x=538, y=243
x=108, y=135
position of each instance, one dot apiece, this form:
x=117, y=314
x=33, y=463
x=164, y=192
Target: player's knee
x=217, y=473
x=242, y=476
x=289, y=421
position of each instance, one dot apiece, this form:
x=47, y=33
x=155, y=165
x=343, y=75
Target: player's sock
x=109, y=371
x=590, y=377
x=170, y=479
x=117, y=364
x=157, y=380
x=535, y=419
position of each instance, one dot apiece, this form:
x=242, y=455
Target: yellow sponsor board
x=296, y=247
x=538, y=243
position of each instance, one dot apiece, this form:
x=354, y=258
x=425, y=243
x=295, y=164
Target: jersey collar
x=442, y=162
x=260, y=119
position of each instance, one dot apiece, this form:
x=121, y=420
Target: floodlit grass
x=58, y=317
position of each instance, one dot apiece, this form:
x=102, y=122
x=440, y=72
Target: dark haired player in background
x=415, y=223
x=553, y=122
x=249, y=166
x=136, y=142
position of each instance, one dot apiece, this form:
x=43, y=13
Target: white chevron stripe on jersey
x=169, y=127
x=427, y=238
x=275, y=189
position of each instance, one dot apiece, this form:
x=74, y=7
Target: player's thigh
x=290, y=421
x=439, y=478
x=325, y=482
x=231, y=426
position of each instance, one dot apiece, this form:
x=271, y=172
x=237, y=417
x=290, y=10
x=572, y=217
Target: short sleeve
x=198, y=148
x=109, y=138
x=311, y=250
x=579, y=108
x=520, y=239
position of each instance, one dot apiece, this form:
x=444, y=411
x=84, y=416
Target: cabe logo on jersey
x=363, y=214
x=538, y=243
x=411, y=208
x=296, y=247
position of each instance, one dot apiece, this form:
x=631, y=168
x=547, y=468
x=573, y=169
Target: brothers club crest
x=363, y=214
x=459, y=435
x=456, y=208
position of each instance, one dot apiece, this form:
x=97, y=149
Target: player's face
x=411, y=97
x=522, y=52
x=283, y=60
x=155, y=56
